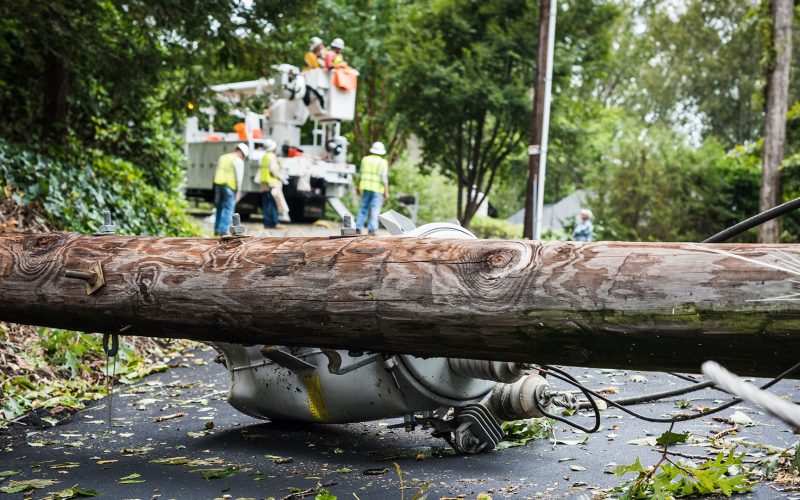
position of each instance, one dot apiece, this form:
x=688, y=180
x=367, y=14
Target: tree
x=465, y=88
x=777, y=92
x=692, y=66
x=367, y=26
x=650, y=185
x=70, y=69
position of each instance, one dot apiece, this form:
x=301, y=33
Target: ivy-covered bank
x=70, y=191
x=47, y=374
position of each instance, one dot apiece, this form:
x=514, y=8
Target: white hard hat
x=587, y=212
x=315, y=42
x=270, y=145
x=244, y=149
x=337, y=43
x=378, y=148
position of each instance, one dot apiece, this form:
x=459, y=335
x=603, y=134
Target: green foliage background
x=657, y=107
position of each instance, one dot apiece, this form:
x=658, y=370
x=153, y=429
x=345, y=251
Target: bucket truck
x=313, y=173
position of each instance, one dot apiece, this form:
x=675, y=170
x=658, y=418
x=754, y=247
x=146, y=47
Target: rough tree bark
x=775, y=120
x=664, y=306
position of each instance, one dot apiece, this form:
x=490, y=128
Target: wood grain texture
x=651, y=306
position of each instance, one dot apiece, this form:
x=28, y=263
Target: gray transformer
x=463, y=401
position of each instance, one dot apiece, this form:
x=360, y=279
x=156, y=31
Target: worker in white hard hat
x=584, y=231
x=373, y=187
x=270, y=179
x=334, y=57
x=228, y=186
x=315, y=57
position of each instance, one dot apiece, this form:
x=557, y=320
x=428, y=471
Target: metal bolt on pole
x=108, y=226
x=237, y=229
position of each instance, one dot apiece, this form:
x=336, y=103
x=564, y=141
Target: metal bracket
x=478, y=429
x=396, y=223
x=286, y=359
x=93, y=277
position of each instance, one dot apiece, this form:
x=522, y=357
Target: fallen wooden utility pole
x=657, y=306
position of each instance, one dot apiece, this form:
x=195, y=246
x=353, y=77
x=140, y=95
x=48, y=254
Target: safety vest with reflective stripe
x=226, y=171
x=266, y=174
x=373, y=168
x=332, y=59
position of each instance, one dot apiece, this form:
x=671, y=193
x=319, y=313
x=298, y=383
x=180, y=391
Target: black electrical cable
x=662, y=395
x=754, y=221
x=565, y=377
x=684, y=377
x=587, y=430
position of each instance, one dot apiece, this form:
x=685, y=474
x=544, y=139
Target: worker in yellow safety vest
x=269, y=178
x=315, y=57
x=373, y=187
x=334, y=57
x=228, y=186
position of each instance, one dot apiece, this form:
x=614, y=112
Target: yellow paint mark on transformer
x=316, y=404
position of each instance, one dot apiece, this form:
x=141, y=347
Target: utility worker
x=584, y=231
x=373, y=187
x=315, y=57
x=334, y=57
x=269, y=179
x=228, y=186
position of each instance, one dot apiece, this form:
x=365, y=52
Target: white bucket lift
x=313, y=173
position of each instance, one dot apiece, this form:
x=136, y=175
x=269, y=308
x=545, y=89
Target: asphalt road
x=352, y=461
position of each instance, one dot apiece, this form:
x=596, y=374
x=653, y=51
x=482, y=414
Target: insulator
x=519, y=400
x=497, y=371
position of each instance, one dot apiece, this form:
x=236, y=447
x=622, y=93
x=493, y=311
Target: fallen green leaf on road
x=572, y=442
x=71, y=493
x=171, y=461
x=648, y=441
x=670, y=438
x=131, y=479
x=279, y=459
x=344, y=470
x=216, y=473
x=519, y=432
x=324, y=494
x=29, y=484
x=6, y=473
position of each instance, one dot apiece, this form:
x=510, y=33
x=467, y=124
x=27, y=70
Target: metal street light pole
x=542, y=90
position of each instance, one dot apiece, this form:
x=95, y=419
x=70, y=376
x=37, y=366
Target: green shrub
x=499, y=229
x=73, y=191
